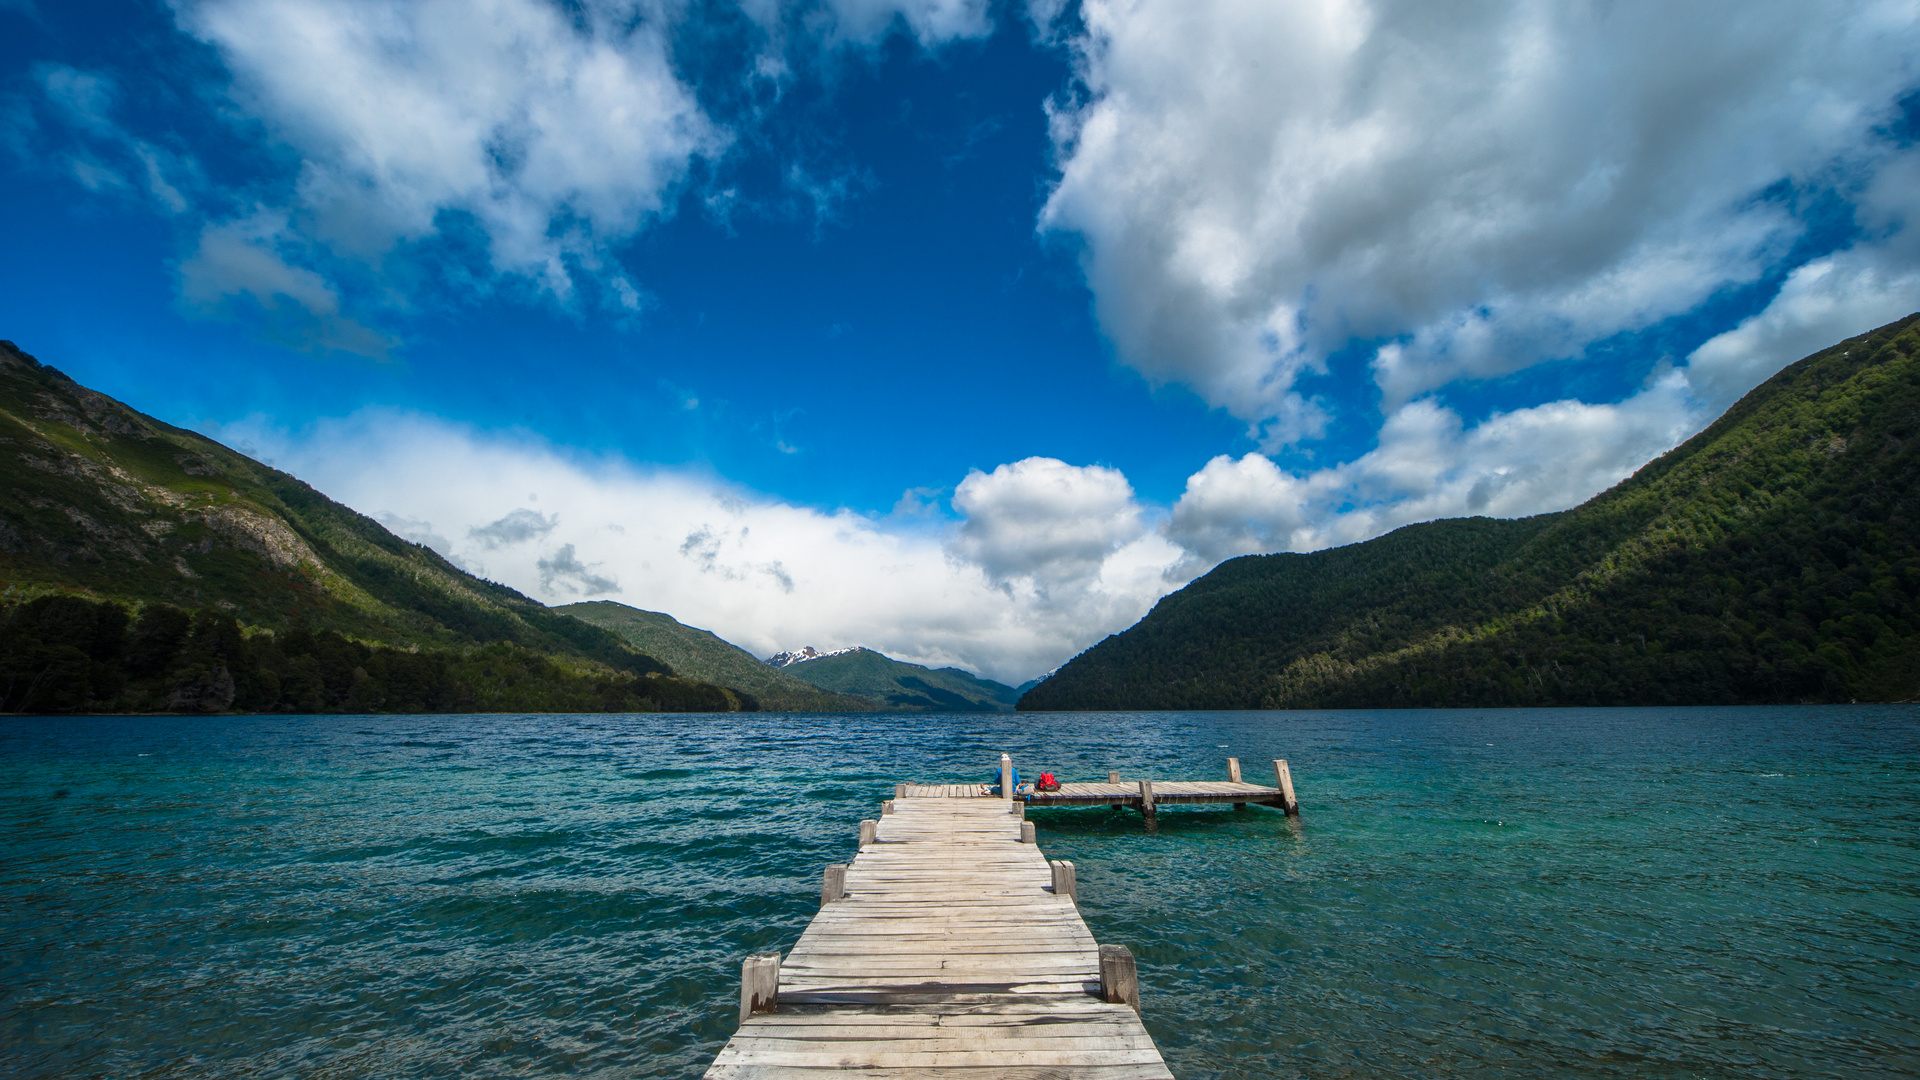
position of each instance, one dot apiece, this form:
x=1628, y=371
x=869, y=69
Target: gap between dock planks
x=949, y=956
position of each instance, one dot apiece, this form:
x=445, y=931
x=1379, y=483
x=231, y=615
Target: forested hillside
x=67, y=653
x=141, y=524
x=1774, y=557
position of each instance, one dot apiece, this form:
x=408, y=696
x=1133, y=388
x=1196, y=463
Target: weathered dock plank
x=949, y=948
x=948, y=957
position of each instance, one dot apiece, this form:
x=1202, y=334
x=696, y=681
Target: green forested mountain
x=699, y=654
x=1774, y=557
x=895, y=684
x=115, y=528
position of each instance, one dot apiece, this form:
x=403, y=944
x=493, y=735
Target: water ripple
x=1569, y=893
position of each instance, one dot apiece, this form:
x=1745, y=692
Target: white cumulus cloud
x=1485, y=185
x=1044, y=521
x=1427, y=465
x=553, y=131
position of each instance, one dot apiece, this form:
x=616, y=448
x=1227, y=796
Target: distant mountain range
x=115, y=529
x=1774, y=557
x=854, y=679
x=895, y=684
x=701, y=654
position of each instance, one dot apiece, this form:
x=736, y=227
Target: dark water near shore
x=1556, y=893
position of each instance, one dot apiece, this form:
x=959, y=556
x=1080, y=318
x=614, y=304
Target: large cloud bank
x=484, y=140
x=1480, y=186
x=1046, y=559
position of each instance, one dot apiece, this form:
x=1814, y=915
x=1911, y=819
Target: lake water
x=1541, y=893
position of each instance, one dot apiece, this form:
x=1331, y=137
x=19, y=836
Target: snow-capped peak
x=788, y=659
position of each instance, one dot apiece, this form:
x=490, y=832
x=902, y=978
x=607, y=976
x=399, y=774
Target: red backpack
x=1047, y=783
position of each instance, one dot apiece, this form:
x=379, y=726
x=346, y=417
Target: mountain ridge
x=106, y=507
x=1768, y=558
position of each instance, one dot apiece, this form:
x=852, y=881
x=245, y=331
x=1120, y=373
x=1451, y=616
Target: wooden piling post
x=1006, y=776
x=1018, y=809
x=1284, y=781
x=1063, y=880
x=1233, y=775
x=1146, y=799
x=869, y=829
x=899, y=791
x=833, y=883
x=759, y=984
x=1026, y=832
x=1119, y=978
x=1112, y=777
x=886, y=808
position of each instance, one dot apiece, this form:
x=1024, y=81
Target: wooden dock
x=950, y=947
x=1145, y=796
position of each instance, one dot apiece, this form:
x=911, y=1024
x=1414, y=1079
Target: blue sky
x=963, y=331
x=823, y=338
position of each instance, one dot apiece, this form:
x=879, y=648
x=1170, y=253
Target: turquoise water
x=1553, y=893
